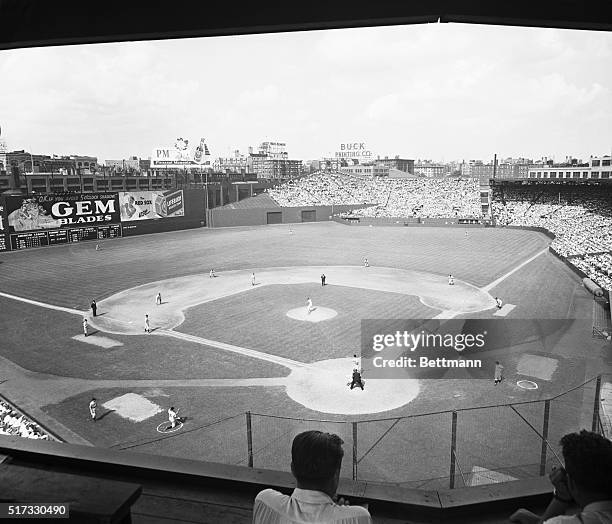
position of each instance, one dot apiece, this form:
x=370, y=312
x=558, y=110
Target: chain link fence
x=447, y=449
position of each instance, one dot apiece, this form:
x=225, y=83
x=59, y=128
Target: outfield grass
x=71, y=275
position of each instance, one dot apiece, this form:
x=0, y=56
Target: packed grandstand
x=12, y=422
x=580, y=216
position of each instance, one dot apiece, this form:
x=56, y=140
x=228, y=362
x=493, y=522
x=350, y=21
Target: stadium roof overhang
x=27, y=23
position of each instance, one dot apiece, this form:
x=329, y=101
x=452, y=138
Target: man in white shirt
x=586, y=482
x=316, y=459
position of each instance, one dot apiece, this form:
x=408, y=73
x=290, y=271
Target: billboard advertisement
x=181, y=156
x=151, y=205
x=60, y=210
x=355, y=150
x=3, y=230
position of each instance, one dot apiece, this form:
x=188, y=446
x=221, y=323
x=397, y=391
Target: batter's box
x=537, y=366
x=134, y=407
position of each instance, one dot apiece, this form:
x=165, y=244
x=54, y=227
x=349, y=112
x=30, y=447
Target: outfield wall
x=412, y=222
x=194, y=215
x=45, y=219
x=227, y=217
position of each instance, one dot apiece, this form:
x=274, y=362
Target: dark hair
x=316, y=455
x=588, y=461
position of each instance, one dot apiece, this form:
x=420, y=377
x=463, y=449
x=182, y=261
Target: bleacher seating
x=579, y=216
x=387, y=197
x=14, y=423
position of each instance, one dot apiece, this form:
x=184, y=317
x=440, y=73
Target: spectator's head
x=588, y=462
x=316, y=458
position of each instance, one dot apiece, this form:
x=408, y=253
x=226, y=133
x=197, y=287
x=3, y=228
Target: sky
x=431, y=91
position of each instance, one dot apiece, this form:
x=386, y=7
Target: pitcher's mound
x=318, y=314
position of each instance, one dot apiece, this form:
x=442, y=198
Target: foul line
x=291, y=364
x=42, y=304
x=504, y=277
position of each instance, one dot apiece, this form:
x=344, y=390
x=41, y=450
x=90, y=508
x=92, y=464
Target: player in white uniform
x=366, y=263
x=309, y=307
x=498, y=302
x=173, y=417
x=85, y=326
x=498, y=377
x=147, y=324
x=253, y=279
x=451, y=280
x=211, y=274
x=357, y=363
x=92, y=409
x=158, y=299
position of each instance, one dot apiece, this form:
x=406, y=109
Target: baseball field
x=243, y=341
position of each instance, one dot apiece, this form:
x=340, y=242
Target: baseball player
x=158, y=299
x=253, y=279
x=92, y=409
x=147, y=324
x=173, y=417
x=309, y=307
x=85, y=325
x=498, y=376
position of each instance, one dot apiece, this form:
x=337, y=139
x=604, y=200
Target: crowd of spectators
x=580, y=217
x=14, y=423
x=325, y=189
x=386, y=197
x=597, y=267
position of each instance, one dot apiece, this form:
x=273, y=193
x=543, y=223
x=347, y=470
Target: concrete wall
x=406, y=221
x=225, y=217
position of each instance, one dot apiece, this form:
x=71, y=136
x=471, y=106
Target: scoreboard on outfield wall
x=60, y=218
x=4, y=241
x=38, y=220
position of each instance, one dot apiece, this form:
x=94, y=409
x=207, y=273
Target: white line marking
x=490, y=286
x=506, y=308
x=291, y=364
x=43, y=304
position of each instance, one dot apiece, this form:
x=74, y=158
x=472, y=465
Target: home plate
x=505, y=309
x=482, y=476
x=132, y=406
x=95, y=340
x=318, y=314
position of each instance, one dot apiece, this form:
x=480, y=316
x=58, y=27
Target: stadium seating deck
x=260, y=201
x=180, y=490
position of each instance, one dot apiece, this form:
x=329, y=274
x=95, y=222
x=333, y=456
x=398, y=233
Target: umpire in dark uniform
x=322, y=279
x=356, y=379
